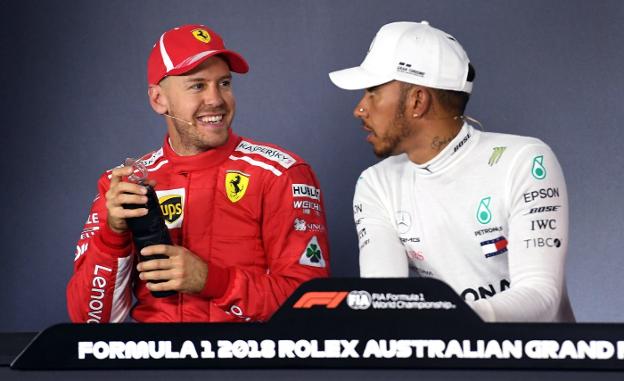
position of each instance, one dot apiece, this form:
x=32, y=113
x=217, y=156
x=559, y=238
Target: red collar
x=210, y=158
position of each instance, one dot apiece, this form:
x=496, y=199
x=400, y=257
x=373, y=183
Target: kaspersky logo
x=484, y=216
x=538, y=170
x=329, y=299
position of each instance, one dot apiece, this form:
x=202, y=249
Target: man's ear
x=418, y=101
x=157, y=99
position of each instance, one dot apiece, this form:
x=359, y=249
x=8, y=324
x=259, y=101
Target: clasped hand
x=182, y=271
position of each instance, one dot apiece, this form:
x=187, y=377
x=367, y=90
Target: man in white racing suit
x=486, y=213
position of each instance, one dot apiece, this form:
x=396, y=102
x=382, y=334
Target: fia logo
x=359, y=300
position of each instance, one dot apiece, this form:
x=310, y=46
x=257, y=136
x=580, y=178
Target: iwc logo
x=201, y=35
x=236, y=184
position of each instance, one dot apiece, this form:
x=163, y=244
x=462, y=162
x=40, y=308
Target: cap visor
x=357, y=78
x=235, y=61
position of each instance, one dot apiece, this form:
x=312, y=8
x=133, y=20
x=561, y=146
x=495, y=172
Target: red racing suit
x=252, y=211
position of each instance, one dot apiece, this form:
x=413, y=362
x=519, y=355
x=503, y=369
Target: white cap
x=410, y=52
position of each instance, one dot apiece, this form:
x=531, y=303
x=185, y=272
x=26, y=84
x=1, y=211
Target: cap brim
x=357, y=78
x=234, y=60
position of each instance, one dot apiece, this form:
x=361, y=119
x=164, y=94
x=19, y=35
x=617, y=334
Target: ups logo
x=171, y=207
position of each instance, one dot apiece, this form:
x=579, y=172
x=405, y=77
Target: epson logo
x=544, y=209
x=542, y=193
x=304, y=190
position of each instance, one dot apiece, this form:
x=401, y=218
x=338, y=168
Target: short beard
x=400, y=130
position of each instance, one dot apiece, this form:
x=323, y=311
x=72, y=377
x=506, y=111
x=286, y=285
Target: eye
x=197, y=86
x=226, y=83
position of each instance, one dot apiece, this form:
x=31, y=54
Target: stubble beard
x=394, y=136
x=193, y=142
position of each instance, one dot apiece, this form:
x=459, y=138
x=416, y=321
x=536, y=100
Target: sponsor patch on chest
x=236, y=184
x=172, y=206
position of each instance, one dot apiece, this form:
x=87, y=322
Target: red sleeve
x=99, y=290
x=295, y=239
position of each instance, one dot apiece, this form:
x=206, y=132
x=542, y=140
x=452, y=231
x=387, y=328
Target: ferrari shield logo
x=236, y=184
x=202, y=35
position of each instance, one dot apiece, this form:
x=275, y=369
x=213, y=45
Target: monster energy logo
x=484, y=215
x=496, y=155
x=538, y=170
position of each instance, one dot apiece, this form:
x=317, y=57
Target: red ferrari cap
x=183, y=48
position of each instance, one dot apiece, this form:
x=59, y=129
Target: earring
x=415, y=115
x=361, y=109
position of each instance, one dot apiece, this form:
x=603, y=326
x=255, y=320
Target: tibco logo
x=359, y=300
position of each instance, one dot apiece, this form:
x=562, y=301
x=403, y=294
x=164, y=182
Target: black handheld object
x=149, y=229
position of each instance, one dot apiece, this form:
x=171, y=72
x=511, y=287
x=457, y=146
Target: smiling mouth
x=210, y=119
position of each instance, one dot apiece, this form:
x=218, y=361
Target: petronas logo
x=538, y=170
x=484, y=216
x=496, y=155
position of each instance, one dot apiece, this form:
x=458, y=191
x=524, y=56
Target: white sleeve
x=381, y=252
x=538, y=240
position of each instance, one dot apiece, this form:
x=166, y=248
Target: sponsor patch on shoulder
x=312, y=255
x=305, y=190
x=273, y=154
x=152, y=159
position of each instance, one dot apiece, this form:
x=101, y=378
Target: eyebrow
x=201, y=79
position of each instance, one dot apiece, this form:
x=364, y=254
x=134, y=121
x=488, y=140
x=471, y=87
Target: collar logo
x=201, y=35
x=484, y=216
x=496, y=155
x=236, y=184
x=538, y=170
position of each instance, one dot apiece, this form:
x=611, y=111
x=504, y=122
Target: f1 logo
x=329, y=299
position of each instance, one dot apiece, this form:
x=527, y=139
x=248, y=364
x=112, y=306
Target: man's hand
x=183, y=271
x=123, y=192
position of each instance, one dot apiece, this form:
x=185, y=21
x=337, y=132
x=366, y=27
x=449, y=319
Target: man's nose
x=213, y=96
x=360, y=111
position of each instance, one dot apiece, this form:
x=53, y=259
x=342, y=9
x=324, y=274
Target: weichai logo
x=329, y=299
x=171, y=207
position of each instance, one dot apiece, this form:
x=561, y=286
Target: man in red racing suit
x=246, y=218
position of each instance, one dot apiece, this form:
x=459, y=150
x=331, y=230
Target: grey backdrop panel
x=74, y=104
